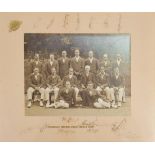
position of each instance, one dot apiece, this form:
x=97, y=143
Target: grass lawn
x=35, y=110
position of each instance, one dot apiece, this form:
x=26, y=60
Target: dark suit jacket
x=85, y=79
x=77, y=66
x=34, y=65
x=33, y=82
x=102, y=81
x=107, y=66
x=120, y=66
x=68, y=97
x=48, y=67
x=94, y=66
x=53, y=81
x=63, y=67
x=117, y=82
x=72, y=80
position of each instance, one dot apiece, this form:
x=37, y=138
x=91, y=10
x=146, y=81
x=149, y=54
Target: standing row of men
x=100, y=84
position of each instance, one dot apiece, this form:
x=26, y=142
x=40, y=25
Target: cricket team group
x=73, y=82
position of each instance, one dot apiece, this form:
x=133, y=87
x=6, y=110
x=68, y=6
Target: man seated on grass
x=73, y=81
x=89, y=95
x=66, y=97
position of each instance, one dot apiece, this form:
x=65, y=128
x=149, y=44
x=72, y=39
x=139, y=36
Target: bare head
x=36, y=71
x=87, y=68
x=70, y=71
x=53, y=70
x=105, y=57
x=118, y=56
x=51, y=57
x=68, y=84
x=116, y=70
x=102, y=70
x=77, y=53
x=64, y=53
x=91, y=54
x=36, y=56
x=90, y=85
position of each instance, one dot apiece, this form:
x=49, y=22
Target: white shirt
x=51, y=62
x=77, y=59
x=116, y=75
x=63, y=60
x=67, y=91
x=36, y=76
x=36, y=62
x=70, y=76
x=105, y=63
x=91, y=60
x=87, y=74
x=102, y=75
x=118, y=62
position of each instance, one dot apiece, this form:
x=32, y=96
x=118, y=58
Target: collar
x=117, y=75
x=102, y=73
x=91, y=58
x=36, y=74
x=77, y=57
x=70, y=76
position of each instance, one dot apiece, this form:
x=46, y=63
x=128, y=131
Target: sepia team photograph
x=78, y=73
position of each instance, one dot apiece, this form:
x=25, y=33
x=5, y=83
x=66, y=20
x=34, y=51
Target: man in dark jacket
x=73, y=81
x=86, y=77
x=36, y=83
x=89, y=95
x=66, y=97
x=77, y=63
x=117, y=86
x=53, y=83
x=105, y=62
x=92, y=62
x=64, y=64
x=102, y=82
x=36, y=63
x=52, y=63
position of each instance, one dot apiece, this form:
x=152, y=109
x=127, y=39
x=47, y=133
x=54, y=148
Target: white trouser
x=107, y=91
x=61, y=104
x=101, y=104
x=76, y=91
x=48, y=91
x=31, y=90
x=119, y=94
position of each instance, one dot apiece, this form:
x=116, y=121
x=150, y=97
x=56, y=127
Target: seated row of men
x=63, y=64
x=100, y=91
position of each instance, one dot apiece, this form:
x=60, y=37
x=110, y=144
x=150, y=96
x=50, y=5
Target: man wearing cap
x=53, y=83
x=73, y=81
x=77, y=63
x=36, y=83
x=52, y=63
x=64, y=64
x=92, y=62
